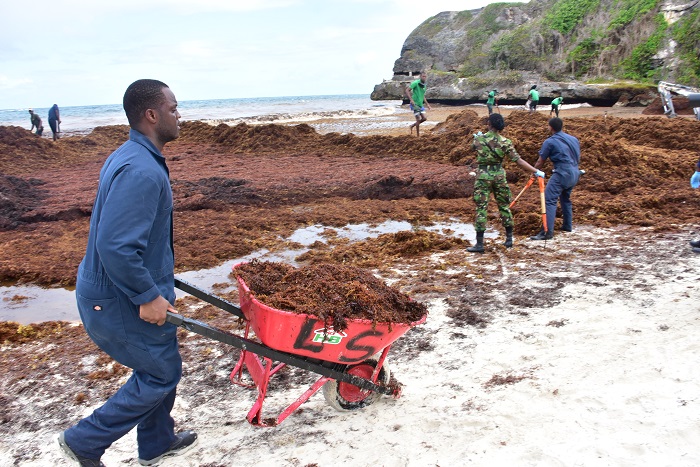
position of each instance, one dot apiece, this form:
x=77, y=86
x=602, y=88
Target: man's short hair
x=141, y=95
x=556, y=123
x=496, y=121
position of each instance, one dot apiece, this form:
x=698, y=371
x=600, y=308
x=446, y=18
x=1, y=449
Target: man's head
x=151, y=109
x=423, y=76
x=556, y=124
x=31, y=111
x=534, y=86
x=496, y=122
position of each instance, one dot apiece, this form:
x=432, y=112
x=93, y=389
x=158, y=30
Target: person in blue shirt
x=54, y=120
x=125, y=286
x=695, y=184
x=564, y=151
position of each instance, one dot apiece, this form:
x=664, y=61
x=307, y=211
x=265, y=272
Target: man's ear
x=151, y=116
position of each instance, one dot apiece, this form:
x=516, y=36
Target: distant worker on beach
x=54, y=120
x=533, y=98
x=492, y=149
x=125, y=286
x=564, y=151
x=36, y=122
x=556, y=103
x=491, y=101
x=416, y=95
x=695, y=184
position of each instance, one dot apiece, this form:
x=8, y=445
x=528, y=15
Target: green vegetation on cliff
x=565, y=39
x=687, y=33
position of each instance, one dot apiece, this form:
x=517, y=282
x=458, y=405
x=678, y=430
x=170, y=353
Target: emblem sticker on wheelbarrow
x=328, y=336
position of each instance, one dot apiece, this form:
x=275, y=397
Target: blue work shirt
x=562, y=149
x=53, y=111
x=130, y=242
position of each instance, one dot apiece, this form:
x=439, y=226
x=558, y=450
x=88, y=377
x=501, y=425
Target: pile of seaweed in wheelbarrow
x=334, y=293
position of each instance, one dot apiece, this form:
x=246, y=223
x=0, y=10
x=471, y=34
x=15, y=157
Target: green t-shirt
x=418, y=92
x=492, y=98
x=558, y=101
x=534, y=95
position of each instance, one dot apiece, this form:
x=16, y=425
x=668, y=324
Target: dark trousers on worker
x=146, y=399
x=563, y=180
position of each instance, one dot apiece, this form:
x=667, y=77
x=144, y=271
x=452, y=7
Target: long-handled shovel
x=540, y=180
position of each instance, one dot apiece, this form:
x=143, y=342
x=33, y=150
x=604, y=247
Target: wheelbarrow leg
x=261, y=378
x=303, y=398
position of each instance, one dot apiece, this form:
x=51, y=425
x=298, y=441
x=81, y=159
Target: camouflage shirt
x=493, y=148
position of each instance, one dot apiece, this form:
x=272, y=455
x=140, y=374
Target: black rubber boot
x=542, y=236
x=479, y=247
x=695, y=243
x=509, y=237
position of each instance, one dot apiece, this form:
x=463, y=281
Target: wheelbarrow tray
x=308, y=336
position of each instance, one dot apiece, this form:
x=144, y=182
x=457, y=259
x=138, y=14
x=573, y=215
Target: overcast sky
x=79, y=52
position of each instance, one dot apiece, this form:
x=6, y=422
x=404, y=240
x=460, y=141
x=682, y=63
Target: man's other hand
x=695, y=180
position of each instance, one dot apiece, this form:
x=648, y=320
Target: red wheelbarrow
x=351, y=362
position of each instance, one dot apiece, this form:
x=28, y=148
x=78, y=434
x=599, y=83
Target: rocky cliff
x=598, y=51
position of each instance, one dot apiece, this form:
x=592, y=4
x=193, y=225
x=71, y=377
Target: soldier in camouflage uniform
x=492, y=149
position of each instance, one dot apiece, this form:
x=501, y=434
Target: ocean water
x=340, y=113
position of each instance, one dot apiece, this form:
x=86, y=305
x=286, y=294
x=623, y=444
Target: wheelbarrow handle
x=209, y=298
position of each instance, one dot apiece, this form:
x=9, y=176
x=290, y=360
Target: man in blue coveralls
x=125, y=286
x=695, y=184
x=564, y=151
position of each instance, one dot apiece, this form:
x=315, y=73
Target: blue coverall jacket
x=564, y=151
x=129, y=261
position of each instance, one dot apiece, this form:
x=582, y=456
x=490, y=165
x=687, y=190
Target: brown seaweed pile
x=334, y=293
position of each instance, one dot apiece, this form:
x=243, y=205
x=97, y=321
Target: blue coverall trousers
x=146, y=399
x=563, y=180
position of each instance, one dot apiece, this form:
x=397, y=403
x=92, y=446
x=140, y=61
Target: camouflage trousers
x=487, y=183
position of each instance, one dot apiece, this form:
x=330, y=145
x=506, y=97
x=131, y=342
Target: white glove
x=539, y=173
x=477, y=134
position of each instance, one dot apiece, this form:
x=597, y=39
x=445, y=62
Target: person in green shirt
x=491, y=101
x=534, y=98
x=36, y=122
x=416, y=95
x=556, y=103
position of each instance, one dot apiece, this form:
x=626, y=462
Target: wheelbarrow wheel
x=346, y=397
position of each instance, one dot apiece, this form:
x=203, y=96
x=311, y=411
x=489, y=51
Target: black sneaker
x=542, y=236
x=695, y=243
x=83, y=461
x=183, y=442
